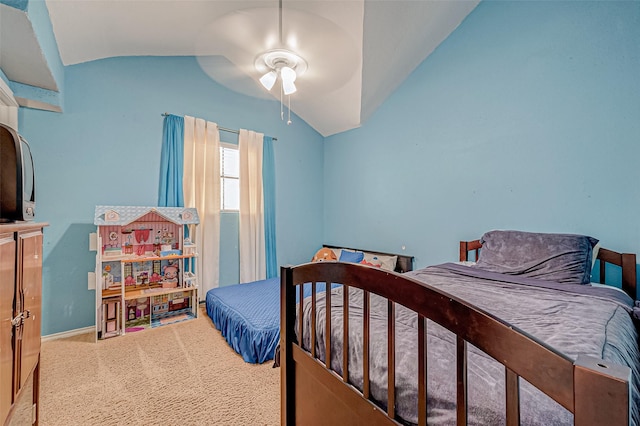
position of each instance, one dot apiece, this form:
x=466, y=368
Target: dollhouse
x=145, y=267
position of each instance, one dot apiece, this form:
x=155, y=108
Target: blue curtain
x=170, y=193
x=269, y=193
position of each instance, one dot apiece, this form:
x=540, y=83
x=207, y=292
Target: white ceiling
x=357, y=51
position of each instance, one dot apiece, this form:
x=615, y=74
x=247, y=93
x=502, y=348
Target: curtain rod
x=224, y=129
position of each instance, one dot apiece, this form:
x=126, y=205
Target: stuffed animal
x=324, y=255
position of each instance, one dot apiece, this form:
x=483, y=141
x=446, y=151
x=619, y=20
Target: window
x=229, y=178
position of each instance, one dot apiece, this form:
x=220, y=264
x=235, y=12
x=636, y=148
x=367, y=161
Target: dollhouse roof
x=124, y=215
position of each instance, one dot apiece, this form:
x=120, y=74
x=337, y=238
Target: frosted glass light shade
x=269, y=79
x=288, y=76
x=288, y=87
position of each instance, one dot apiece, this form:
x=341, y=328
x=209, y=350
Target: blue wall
x=105, y=149
x=527, y=117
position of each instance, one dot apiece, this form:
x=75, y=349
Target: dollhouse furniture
x=145, y=267
x=20, y=307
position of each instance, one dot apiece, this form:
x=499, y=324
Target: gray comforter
x=574, y=319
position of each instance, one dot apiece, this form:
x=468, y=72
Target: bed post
x=629, y=274
x=627, y=261
x=464, y=252
x=601, y=392
x=287, y=334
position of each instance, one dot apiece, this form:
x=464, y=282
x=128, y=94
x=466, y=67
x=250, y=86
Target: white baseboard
x=69, y=333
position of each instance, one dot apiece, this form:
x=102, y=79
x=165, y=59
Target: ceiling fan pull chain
x=289, y=108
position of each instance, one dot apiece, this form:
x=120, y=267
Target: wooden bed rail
x=404, y=263
x=469, y=246
x=597, y=392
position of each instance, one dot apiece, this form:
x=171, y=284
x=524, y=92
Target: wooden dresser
x=20, y=311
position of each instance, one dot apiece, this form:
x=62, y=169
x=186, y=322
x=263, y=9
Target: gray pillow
x=564, y=258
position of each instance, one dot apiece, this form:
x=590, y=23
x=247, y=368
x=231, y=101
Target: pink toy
x=170, y=277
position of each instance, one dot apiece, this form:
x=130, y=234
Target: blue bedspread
x=248, y=316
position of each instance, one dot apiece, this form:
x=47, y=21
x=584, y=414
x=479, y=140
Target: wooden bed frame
x=595, y=391
x=404, y=263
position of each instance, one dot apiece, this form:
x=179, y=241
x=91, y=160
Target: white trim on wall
x=64, y=334
x=6, y=95
x=8, y=106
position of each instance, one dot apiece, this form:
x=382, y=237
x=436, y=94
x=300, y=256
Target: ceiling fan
x=280, y=63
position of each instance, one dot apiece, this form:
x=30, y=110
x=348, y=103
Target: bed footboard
x=595, y=391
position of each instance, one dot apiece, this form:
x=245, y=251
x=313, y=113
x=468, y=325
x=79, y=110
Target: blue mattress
x=248, y=316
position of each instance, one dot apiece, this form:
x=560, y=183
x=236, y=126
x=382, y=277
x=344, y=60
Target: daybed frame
x=595, y=391
x=403, y=264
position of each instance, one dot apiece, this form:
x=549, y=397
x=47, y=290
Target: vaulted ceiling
x=357, y=51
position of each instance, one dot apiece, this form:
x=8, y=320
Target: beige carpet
x=179, y=374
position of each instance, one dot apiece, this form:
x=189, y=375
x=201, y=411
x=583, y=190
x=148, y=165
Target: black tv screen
x=17, y=177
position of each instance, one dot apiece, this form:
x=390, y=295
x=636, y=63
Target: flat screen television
x=17, y=177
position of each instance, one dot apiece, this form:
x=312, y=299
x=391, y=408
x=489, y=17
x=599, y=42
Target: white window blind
x=229, y=178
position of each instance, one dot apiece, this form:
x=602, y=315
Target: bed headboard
x=404, y=263
x=626, y=261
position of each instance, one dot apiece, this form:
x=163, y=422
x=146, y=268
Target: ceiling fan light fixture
x=288, y=87
x=269, y=79
x=288, y=76
x=278, y=60
x=285, y=64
